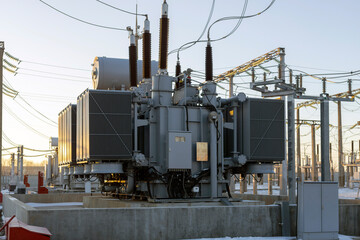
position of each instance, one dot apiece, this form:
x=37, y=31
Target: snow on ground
x=60, y=204
x=341, y=237
x=344, y=193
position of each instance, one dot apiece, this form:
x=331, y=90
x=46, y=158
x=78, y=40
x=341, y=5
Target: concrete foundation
x=141, y=220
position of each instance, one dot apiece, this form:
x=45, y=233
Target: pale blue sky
x=320, y=34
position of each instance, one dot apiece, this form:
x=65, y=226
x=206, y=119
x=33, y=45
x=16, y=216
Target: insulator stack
x=164, y=37
x=279, y=72
x=177, y=73
x=146, y=50
x=132, y=62
x=208, y=63
x=253, y=74
x=350, y=88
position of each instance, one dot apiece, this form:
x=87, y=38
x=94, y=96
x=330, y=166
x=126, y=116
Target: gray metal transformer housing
x=104, y=125
x=67, y=135
x=183, y=148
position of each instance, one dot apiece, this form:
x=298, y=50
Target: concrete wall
x=182, y=222
x=150, y=223
x=54, y=197
x=268, y=199
x=349, y=219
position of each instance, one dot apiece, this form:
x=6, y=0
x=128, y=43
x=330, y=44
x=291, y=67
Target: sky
x=318, y=36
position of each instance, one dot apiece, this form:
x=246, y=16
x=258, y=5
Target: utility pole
x=22, y=164
x=283, y=167
x=291, y=148
x=352, y=159
x=325, y=141
x=313, y=155
x=18, y=164
x=2, y=48
x=298, y=147
x=231, y=86
x=340, y=149
x=331, y=164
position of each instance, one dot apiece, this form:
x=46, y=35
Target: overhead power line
x=83, y=21
x=7, y=109
x=38, y=63
x=122, y=10
x=37, y=150
x=189, y=45
x=58, y=78
x=27, y=103
x=240, y=18
x=56, y=66
x=58, y=74
x=32, y=107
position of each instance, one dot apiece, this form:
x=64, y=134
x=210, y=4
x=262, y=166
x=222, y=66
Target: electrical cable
x=49, y=77
x=56, y=66
x=122, y=10
x=40, y=155
x=223, y=19
x=80, y=20
x=49, y=123
x=58, y=74
x=36, y=150
x=7, y=109
x=240, y=18
x=5, y=149
x=8, y=140
x=36, y=109
x=184, y=46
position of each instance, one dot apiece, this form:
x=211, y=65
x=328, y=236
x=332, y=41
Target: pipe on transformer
x=177, y=73
x=213, y=116
x=146, y=50
x=164, y=38
x=130, y=182
x=132, y=61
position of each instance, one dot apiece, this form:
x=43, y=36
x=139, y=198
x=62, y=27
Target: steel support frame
x=325, y=141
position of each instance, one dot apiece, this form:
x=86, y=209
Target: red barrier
x=17, y=230
x=26, y=180
x=41, y=188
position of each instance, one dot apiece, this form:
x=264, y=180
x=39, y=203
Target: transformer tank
x=166, y=138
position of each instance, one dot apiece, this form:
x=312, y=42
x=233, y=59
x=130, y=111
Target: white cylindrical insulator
x=164, y=9
x=132, y=39
x=146, y=25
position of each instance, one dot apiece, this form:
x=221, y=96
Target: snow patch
x=60, y=204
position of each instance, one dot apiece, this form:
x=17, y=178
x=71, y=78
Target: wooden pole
x=340, y=149
x=2, y=48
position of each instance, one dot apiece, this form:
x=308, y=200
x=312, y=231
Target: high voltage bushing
x=291, y=76
x=132, y=62
x=301, y=80
x=164, y=37
x=208, y=63
x=146, y=50
x=297, y=82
